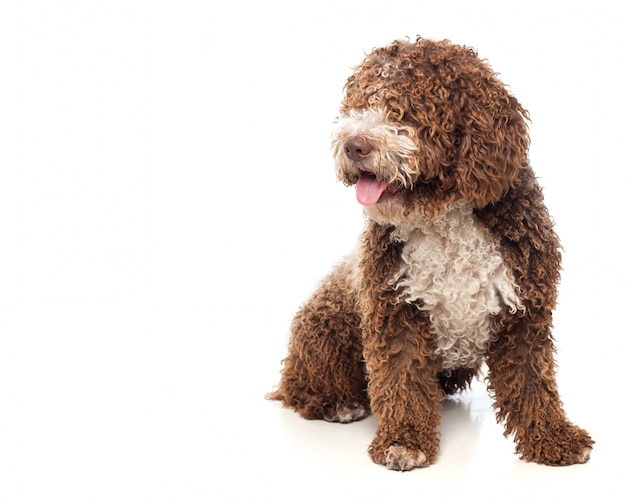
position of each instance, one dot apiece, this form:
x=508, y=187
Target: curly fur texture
x=461, y=281
x=458, y=264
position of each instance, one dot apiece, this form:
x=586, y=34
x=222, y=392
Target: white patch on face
x=394, y=153
x=455, y=272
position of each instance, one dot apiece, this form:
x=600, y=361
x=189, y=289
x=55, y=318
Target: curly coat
x=458, y=264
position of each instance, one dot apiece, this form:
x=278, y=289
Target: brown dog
x=458, y=264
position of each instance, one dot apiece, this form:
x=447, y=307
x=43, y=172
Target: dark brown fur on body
x=363, y=343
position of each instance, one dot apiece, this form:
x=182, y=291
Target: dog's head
x=425, y=124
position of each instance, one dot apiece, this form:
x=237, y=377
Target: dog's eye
x=402, y=131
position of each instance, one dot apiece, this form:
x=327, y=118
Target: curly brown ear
x=493, y=147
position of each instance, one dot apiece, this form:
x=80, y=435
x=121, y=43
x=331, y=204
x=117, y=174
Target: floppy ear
x=493, y=146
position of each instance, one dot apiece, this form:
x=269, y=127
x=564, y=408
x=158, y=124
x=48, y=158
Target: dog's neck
x=441, y=222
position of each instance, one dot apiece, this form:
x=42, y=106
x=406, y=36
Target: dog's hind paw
x=346, y=414
x=584, y=456
x=401, y=459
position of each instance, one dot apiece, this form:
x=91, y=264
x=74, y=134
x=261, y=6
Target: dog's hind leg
x=324, y=373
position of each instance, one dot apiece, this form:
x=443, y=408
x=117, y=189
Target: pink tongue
x=369, y=189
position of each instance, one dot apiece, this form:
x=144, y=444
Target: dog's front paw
x=401, y=459
x=556, y=445
x=396, y=456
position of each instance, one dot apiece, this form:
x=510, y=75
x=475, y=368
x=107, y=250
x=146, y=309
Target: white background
x=167, y=201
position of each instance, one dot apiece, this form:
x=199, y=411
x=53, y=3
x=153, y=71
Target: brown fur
x=356, y=347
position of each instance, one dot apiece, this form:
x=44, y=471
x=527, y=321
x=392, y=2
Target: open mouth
x=370, y=189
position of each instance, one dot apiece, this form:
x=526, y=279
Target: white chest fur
x=452, y=269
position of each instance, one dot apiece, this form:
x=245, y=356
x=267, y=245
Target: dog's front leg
x=403, y=388
x=522, y=378
x=404, y=392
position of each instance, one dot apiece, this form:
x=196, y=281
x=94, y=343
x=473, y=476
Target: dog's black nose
x=357, y=147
